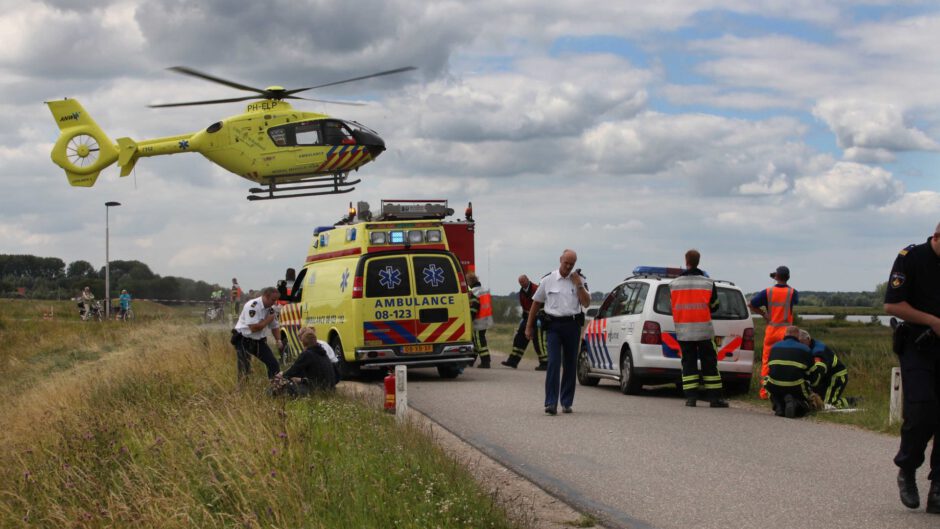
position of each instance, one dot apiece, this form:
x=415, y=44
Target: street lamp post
x=107, y=261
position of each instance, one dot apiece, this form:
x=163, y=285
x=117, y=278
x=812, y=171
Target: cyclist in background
x=125, y=301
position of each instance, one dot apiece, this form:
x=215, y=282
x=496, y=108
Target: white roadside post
x=897, y=393
x=401, y=392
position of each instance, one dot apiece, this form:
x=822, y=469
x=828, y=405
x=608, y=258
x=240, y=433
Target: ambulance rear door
x=412, y=302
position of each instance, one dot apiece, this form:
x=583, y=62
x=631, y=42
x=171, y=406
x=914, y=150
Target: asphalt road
x=648, y=461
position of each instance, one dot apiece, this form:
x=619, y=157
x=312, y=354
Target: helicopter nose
x=372, y=142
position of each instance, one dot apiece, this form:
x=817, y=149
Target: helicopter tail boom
x=82, y=149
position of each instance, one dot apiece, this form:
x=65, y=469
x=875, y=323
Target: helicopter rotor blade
x=347, y=103
x=196, y=73
x=379, y=74
x=209, y=102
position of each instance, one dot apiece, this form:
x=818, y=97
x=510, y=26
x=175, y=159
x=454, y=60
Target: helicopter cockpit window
x=278, y=136
x=336, y=133
x=308, y=133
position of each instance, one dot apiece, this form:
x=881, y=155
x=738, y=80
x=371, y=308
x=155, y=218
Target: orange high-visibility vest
x=486, y=305
x=690, y=296
x=484, y=317
x=779, y=310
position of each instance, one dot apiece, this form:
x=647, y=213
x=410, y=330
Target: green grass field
x=140, y=424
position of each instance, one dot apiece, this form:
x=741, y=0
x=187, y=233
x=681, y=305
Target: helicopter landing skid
x=330, y=185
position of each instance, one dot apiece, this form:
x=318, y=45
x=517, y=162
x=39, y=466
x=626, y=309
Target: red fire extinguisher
x=390, y=391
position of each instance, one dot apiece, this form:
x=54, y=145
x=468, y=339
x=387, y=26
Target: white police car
x=632, y=338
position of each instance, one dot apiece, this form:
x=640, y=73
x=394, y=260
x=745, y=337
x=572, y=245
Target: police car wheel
x=629, y=385
x=584, y=368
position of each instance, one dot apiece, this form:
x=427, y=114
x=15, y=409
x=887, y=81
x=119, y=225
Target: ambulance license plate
x=411, y=349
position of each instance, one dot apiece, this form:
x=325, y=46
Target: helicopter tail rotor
x=82, y=149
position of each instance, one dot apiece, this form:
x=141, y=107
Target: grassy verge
x=141, y=426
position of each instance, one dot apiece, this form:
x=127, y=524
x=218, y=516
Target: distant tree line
x=810, y=298
x=50, y=278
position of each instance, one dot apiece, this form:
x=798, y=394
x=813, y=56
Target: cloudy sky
x=762, y=132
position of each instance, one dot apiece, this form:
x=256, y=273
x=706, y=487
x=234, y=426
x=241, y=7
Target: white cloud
x=849, y=185
x=925, y=204
x=769, y=182
x=871, y=131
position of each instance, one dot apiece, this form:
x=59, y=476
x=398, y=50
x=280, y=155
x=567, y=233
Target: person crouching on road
x=249, y=338
x=694, y=298
x=563, y=293
x=481, y=310
x=312, y=371
x=787, y=382
x=829, y=374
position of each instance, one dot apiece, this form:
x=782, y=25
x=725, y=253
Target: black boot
x=907, y=486
x=512, y=361
x=933, y=497
x=484, y=362
x=543, y=366
x=691, y=398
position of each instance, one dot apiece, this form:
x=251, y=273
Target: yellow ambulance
x=384, y=291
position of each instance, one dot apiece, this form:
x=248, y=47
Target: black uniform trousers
x=520, y=342
x=563, y=336
x=920, y=378
x=710, y=379
x=778, y=396
x=259, y=349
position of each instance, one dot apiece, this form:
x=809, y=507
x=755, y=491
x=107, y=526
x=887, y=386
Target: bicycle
x=213, y=313
x=93, y=313
x=125, y=314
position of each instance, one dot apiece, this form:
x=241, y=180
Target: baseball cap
x=782, y=271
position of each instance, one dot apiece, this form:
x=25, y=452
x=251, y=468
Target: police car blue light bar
x=660, y=271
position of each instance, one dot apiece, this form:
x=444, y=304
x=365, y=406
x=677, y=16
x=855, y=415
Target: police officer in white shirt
x=563, y=294
x=257, y=316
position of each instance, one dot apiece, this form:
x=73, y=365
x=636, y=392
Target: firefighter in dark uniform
x=913, y=295
x=519, y=341
x=789, y=364
x=829, y=374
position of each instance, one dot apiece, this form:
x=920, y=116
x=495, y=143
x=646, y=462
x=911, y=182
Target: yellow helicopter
x=291, y=153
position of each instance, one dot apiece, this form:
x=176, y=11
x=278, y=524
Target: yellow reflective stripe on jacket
x=782, y=383
x=790, y=363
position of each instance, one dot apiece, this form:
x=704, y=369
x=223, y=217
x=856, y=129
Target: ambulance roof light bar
x=393, y=209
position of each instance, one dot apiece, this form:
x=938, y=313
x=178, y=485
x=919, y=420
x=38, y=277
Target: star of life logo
x=390, y=277
x=433, y=275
